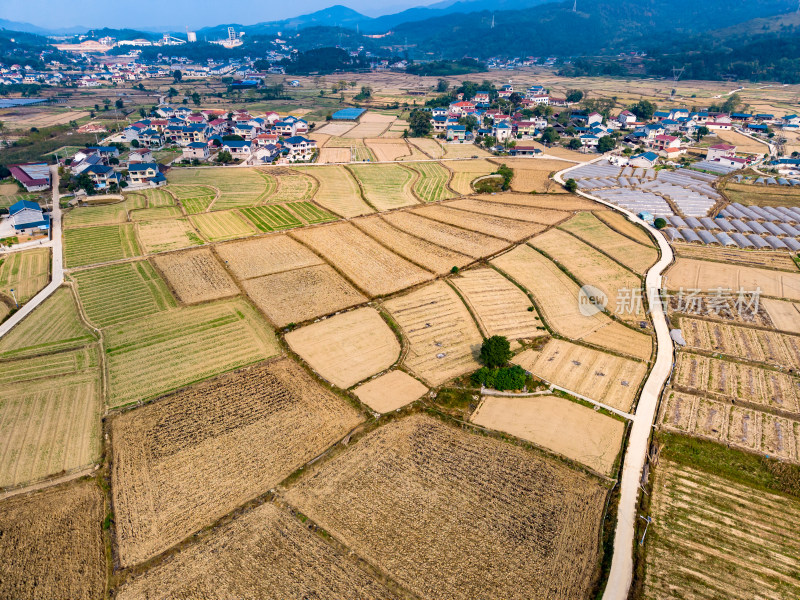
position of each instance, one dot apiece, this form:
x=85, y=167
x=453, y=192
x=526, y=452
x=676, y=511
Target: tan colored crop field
x=166, y=235
x=55, y=326
x=430, y=147
x=742, y=142
x=302, y=294
x=376, y=117
x=556, y=297
x=532, y=175
x=507, y=229
x=565, y=202
x=51, y=424
x=266, y=255
x=217, y=226
x=455, y=496
x=347, y=348
x=364, y=261
x=443, y=340
x=164, y=352
x=565, y=427
x=158, y=197
x=463, y=151
x=368, y=129
x=499, y=306
x=761, y=195
x=334, y=155
x=469, y=243
x=510, y=211
x=183, y=462
x=25, y=272
x=153, y=214
x=53, y=543
x=339, y=192
x=716, y=536
x=196, y=276
x=746, y=258
x=742, y=342
x=264, y=553
x=292, y=186
x=705, y=275
x=385, y=186
x=466, y=171
x=237, y=187
x=621, y=224
x=592, y=267
x=604, y=378
x=388, y=149
x=590, y=229
x=390, y=391
x=784, y=315
x=741, y=382
x=336, y=128
x=432, y=257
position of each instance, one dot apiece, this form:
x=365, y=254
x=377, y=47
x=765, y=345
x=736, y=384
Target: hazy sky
x=54, y=14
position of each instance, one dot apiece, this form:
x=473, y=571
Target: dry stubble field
x=511, y=230
x=390, y=391
x=266, y=255
x=53, y=543
x=747, y=258
x=196, y=276
x=25, y=272
x=706, y=275
x=347, y=348
x=489, y=205
x=183, y=462
x=421, y=500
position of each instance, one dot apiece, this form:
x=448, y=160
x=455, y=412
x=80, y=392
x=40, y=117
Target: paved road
x=58, y=262
x=621, y=575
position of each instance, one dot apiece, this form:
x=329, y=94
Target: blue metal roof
x=22, y=204
x=348, y=114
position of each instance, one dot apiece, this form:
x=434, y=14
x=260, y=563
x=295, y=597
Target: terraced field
x=166, y=234
x=153, y=214
x=431, y=186
x=217, y=226
x=271, y=217
x=237, y=187
x=155, y=355
x=105, y=214
x=194, y=198
x=292, y=186
x=117, y=293
x=157, y=197
x=385, y=186
x=339, y=192
x=92, y=245
x=310, y=213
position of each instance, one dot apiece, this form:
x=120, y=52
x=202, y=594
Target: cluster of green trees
x=496, y=373
x=323, y=61
x=443, y=68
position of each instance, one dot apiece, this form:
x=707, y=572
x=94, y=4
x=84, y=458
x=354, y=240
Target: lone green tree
x=420, y=123
x=495, y=351
x=660, y=223
x=571, y=185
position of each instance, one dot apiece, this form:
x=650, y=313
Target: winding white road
x=621, y=574
x=57, y=271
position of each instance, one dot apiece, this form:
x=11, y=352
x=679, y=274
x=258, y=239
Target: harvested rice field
x=431, y=183
x=428, y=146
x=785, y=316
x=371, y=267
x=50, y=416
x=158, y=197
x=499, y=227
x=292, y=185
x=166, y=235
x=742, y=142
x=336, y=128
x=390, y=391
x=565, y=202
x=196, y=276
x=386, y=150
x=385, y=186
x=745, y=258
x=705, y=275
x=557, y=424
x=463, y=151
x=339, y=192
x=469, y=243
x=557, y=299
x=498, y=305
x=368, y=129
x=103, y=214
x=620, y=223
x=741, y=342
x=455, y=496
x=217, y=226
x=590, y=229
x=443, y=340
x=737, y=381
x=121, y=292
x=183, y=462
x=237, y=187
x=92, y=245
x=310, y=213
x=53, y=543
x=302, y=294
x=713, y=536
x=264, y=553
x=194, y=198
x=532, y=175
x=166, y=351
x=266, y=255
x=153, y=214
x=26, y=272
x=347, y=348
x=55, y=326
x=591, y=267
x=466, y=171
x=436, y=259
x=509, y=211
x=604, y=378
x=334, y=155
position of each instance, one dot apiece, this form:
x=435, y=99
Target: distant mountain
x=23, y=27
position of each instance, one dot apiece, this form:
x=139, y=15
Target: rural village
x=373, y=334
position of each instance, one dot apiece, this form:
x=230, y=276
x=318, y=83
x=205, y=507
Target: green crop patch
x=92, y=245
x=194, y=198
x=311, y=213
x=432, y=183
x=271, y=217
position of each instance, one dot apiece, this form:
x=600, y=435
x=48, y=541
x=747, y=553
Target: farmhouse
x=238, y=149
x=457, y=133
x=26, y=215
x=720, y=151
x=646, y=160
x=146, y=174
x=299, y=148
x=196, y=150
x=140, y=155
x=34, y=176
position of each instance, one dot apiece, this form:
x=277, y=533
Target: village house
x=456, y=133
x=461, y=108
x=299, y=148
x=646, y=160
x=140, y=155
x=35, y=177
x=27, y=216
x=102, y=176
x=665, y=142
x=502, y=132
x=198, y=150
x=146, y=174
x=720, y=151
x=626, y=119
x=237, y=149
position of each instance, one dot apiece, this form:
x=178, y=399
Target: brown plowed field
x=187, y=460
x=421, y=500
x=266, y=255
x=705, y=275
x=506, y=229
x=196, y=276
x=510, y=211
